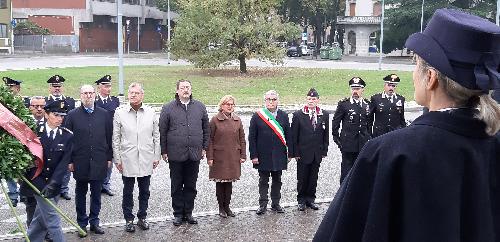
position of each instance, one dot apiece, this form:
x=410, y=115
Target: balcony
x=359, y=20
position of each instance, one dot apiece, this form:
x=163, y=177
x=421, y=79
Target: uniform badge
x=399, y=103
x=60, y=145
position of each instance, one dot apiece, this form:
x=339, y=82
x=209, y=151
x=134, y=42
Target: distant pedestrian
x=184, y=134
x=226, y=151
x=56, y=92
x=105, y=100
x=310, y=127
x=268, y=139
x=387, y=108
x=354, y=115
x=136, y=145
x=91, y=157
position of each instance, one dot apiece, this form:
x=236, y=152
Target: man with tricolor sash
x=268, y=138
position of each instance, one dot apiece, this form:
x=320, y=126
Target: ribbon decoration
x=487, y=72
x=17, y=128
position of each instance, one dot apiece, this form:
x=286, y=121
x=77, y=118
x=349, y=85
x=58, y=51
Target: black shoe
x=65, y=196
x=191, y=220
x=130, y=227
x=313, y=206
x=222, y=213
x=301, y=207
x=143, y=224
x=48, y=239
x=277, y=208
x=107, y=192
x=177, y=221
x=14, y=202
x=97, y=229
x=261, y=210
x=83, y=235
x=230, y=213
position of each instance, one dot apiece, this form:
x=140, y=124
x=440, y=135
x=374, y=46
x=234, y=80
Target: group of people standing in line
x=433, y=181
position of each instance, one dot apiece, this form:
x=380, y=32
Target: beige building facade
x=6, y=31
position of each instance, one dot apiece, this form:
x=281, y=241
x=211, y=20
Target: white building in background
x=361, y=22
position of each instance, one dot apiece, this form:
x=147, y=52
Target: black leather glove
x=51, y=190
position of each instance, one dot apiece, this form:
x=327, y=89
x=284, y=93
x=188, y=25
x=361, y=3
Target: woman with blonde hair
x=439, y=178
x=226, y=151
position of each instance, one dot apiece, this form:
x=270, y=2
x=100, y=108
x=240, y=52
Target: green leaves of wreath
x=15, y=158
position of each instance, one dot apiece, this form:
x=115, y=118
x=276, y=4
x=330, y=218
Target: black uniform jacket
x=387, y=115
x=308, y=143
x=56, y=157
x=111, y=104
x=355, y=125
x=436, y=180
x=69, y=101
x=266, y=145
x=92, y=142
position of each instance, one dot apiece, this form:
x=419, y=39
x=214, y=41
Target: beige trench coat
x=226, y=147
x=136, y=140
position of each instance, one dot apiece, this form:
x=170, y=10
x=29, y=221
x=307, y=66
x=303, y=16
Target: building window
x=132, y=2
x=3, y=31
x=3, y=3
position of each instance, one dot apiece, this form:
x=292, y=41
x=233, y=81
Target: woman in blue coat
x=439, y=178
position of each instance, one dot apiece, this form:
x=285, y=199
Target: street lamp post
x=168, y=35
x=120, y=49
x=422, y=17
x=381, y=37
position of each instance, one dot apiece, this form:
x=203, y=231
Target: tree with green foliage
x=403, y=17
x=213, y=32
x=29, y=27
x=163, y=5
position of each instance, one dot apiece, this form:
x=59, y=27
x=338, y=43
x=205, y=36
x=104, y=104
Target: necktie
x=105, y=100
x=51, y=134
x=313, y=119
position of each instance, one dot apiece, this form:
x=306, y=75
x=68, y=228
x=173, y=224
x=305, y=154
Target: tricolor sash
x=269, y=119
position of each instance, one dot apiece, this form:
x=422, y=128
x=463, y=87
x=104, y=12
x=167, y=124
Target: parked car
x=304, y=50
x=294, y=51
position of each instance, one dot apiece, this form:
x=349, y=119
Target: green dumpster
x=335, y=53
x=324, y=52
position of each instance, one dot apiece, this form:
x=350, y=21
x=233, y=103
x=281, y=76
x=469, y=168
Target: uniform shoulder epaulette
x=64, y=128
x=344, y=99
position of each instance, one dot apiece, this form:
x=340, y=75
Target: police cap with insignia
x=56, y=80
x=11, y=82
x=59, y=107
x=104, y=80
x=392, y=79
x=357, y=82
x=313, y=93
x=464, y=47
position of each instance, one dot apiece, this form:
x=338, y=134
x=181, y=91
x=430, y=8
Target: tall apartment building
x=5, y=26
x=362, y=25
x=94, y=22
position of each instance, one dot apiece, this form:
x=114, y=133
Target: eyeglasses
x=87, y=93
x=38, y=106
x=271, y=99
x=135, y=93
x=230, y=104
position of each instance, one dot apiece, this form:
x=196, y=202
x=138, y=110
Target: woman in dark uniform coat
x=439, y=178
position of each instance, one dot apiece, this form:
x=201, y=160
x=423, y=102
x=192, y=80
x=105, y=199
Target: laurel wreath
x=15, y=158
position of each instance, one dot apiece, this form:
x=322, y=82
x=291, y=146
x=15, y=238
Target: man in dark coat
x=268, y=138
x=354, y=114
x=310, y=127
x=387, y=108
x=91, y=158
x=110, y=103
x=184, y=134
x=57, y=148
x=437, y=179
x=56, y=89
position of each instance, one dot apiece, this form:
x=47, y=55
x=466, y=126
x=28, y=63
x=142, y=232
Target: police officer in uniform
x=110, y=103
x=310, y=127
x=56, y=89
x=57, y=147
x=15, y=87
x=387, y=108
x=354, y=114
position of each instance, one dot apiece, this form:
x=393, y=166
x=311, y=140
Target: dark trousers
x=81, y=189
x=307, y=181
x=223, y=191
x=348, y=159
x=183, y=177
x=128, y=197
x=264, y=187
x=30, y=203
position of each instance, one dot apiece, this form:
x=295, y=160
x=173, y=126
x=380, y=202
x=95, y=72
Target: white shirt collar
x=48, y=129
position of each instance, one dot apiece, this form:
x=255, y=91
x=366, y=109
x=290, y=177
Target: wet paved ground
x=247, y=226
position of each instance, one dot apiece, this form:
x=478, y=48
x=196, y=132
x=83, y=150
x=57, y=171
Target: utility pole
x=498, y=12
x=422, y=18
x=138, y=31
x=119, y=15
x=381, y=37
x=168, y=35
